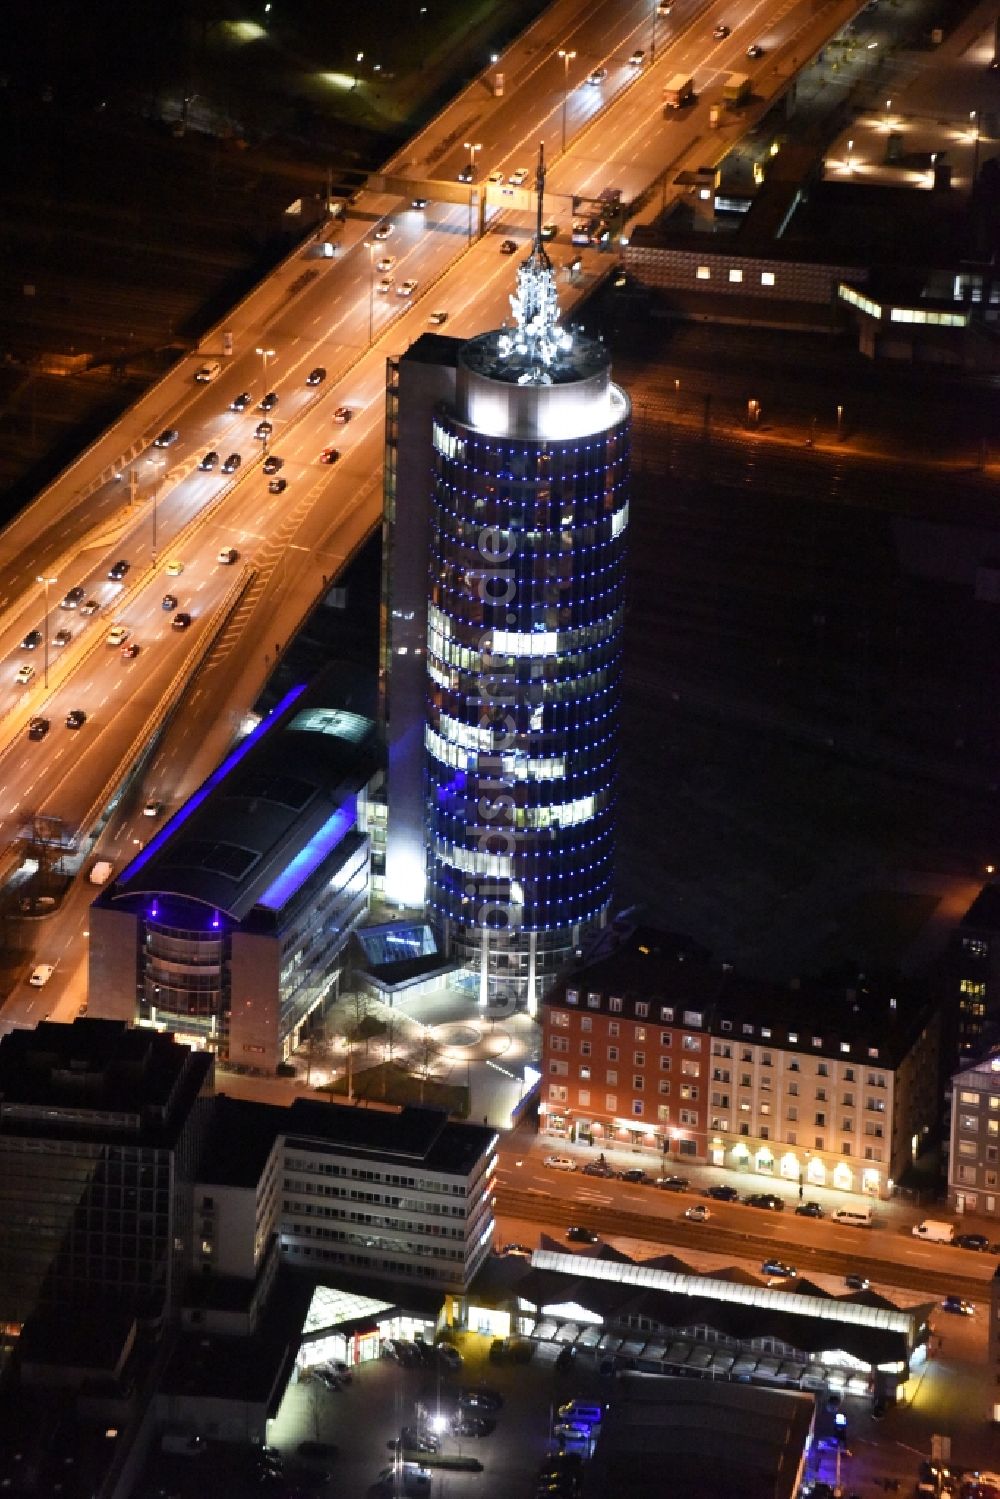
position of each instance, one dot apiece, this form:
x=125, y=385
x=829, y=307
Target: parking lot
x=365, y=1416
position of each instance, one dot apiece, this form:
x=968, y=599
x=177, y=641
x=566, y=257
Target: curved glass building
x=528, y=516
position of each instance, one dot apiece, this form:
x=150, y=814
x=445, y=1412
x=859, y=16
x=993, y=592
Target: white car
x=559, y=1163
x=638, y=58
x=41, y=975
x=384, y=286
x=383, y=231
x=496, y=175
x=117, y=635
x=153, y=808
x=698, y=1214
x=385, y=264
x=516, y=178
x=174, y=568
x=406, y=288
x=597, y=76
x=24, y=675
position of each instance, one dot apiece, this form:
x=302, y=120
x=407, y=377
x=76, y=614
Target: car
x=117, y=635
x=809, y=1210
x=418, y=203
x=778, y=1267
x=38, y=727
x=481, y=1399
x=343, y=415
x=262, y=431
x=180, y=621
x=24, y=675
x=857, y=1282
x=174, y=568
x=153, y=808
x=268, y=402
x=496, y=176
x=72, y=599
x=597, y=76
x=699, y=1213
x=406, y=288
x=517, y=177
x=75, y=718
x=232, y=463
x=405, y=1478
x=521, y=1251
x=384, y=287
x=664, y=7
x=209, y=461
x=559, y=1163
x=467, y=174
x=508, y=247
x=227, y=556
x=32, y=640
x=959, y=1305
x=385, y=264
x=117, y=570
x=317, y=1449
x=634, y=1174
x=437, y=318
x=316, y=376
x=329, y=455
x=412, y=1439
x=277, y=486
x=90, y=607
x=41, y=975
x=169, y=601
x=326, y=1379
x=672, y=1183
x=578, y=1234
x=598, y=1168
x=383, y=231
x=637, y=58
x=550, y=230
x=765, y=1200
x=167, y=438
x=973, y=1241
x=468, y=1424
x=571, y=1431
x=131, y=650
x=720, y=33
x=755, y=50
x=272, y=463
x=242, y=401
x=62, y=637
x=449, y=1355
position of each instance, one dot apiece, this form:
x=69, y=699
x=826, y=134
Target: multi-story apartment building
x=974, y=1155
x=973, y=979
x=827, y=1085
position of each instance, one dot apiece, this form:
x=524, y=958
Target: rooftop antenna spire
x=539, y=196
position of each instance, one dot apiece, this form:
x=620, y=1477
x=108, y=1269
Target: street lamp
x=158, y=465
x=45, y=670
x=472, y=149
x=567, y=58
x=359, y=59
x=370, y=247
x=652, y=31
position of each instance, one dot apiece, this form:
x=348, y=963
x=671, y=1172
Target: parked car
x=518, y=177
x=722, y=1193
x=809, y=1210
x=520, y=1250
x=468, y=1424
x=973, y=1241
x=959, y=1305
x=634, y=1174
x=672, y=1183
x=765, y=1200
x=559, y=1163
x=778, y=1267
x=415, y=1440
x=598, y=1168
x=449, y=1355
x=480, y=1399
x=578, y=1234
x=571, y=1431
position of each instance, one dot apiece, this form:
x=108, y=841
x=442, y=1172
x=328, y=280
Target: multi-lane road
x=327, y=312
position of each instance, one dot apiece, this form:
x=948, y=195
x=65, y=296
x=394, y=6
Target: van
x=101, y=872
x=581, y=1413
x=859, y=1217
x=935, y=1230
x=208, y=371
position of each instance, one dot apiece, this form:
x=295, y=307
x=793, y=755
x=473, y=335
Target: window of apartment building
x=746, y=1055
x=744, y=1129
x=641, y=1009
x=594, y=1001
x=744, y=1108
x=637, y=1108
x=667, y=1014
x=847, y=1126
x=688, y=1117
x=638, y=1082
x=612, y=1053
x=765, y=1109
x=820, y=1120
x=640, y=1033
x=572, y=996
x=875, y=1105
x=791, y=1137
x=720, y=1122
x=559, y=1069
x=875, y=1131
x=735, y=273
x=969, y=1121
x=871, y=1154
x=615, y=1004
x=586, y=1024
x=992, y=1126
x=817, y=1040
x=611, y=1078
x=991, y=1152
x=876, y=1079
x=765, y=1083
x=846, y=1148
x=765, y=1033
x=822, y=1070
x=689, y=1092
x=817, y=1142
x=721, y=1075
x=690, y=1069
x=692, y=1017
x=558, y=1094
x=969, y=1099
x=585, y=1048
x=725, y=1025
x=792, y=1113
x=793, y=1038
x=746, y=1029
x=558, y=1019
x=765, y=1133
x=793, y=1065
x=665, y=1064
x=847, y=1099
x=793, y=1090
x=691, y=1043
x=821, y=1095
x=638, y=1059
x=873, y=1053
x=663, y=1087
x=967, y=1148
x=611, y=1102
x=767, y=278
x=585, y=1074
x=614, y=1029
x=666, y=1038
x=584, y=1098
x=967, y=1174
x=991, y=1178
x=746, y=1079
x=703, y=273
x=720, y=1100
x=559, y=1043
x=662, y=1112
x=766, y=1059
x=721, y=1049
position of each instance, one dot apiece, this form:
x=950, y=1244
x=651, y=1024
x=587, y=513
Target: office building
x=100, y=1131
x=974, y=1153
x=229, y=927
x=831, y=1083
x=506, y=512
x=972, y=1018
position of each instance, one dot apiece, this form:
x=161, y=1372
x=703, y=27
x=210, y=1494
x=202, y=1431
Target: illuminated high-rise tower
x=506, y=512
